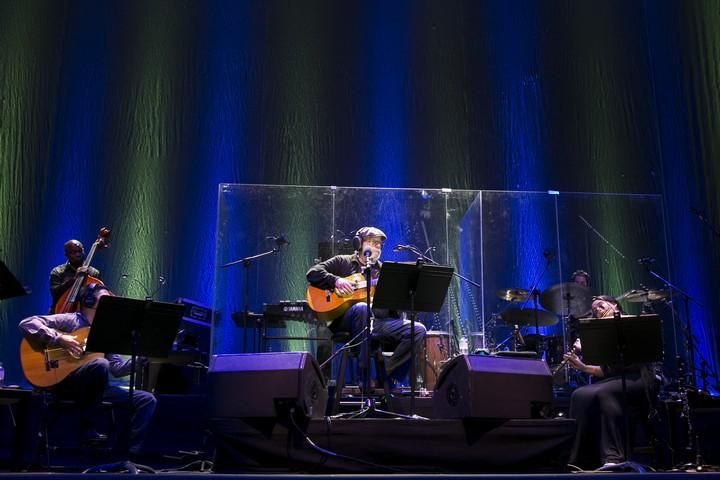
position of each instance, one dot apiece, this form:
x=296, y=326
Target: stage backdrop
x=130, y=113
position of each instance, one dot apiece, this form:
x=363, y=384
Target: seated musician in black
x=387, y=328
x=598, y=407
x=88, y=385
x=63, y=276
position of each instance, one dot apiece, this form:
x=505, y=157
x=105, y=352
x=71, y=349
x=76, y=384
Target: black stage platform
x=391, y=445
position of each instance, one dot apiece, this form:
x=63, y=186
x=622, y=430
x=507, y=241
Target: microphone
x=367, y=252
x=279, y=240
x=645, y=260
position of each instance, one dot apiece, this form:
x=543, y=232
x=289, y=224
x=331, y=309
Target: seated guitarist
x=387, y=328
x=88, y=385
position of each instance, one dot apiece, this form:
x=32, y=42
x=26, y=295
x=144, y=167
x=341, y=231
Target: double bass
x=67, y=302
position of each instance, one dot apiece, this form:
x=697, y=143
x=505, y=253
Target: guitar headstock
x=103, y=240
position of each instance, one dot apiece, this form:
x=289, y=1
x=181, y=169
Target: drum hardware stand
x=535, y=293
x=280, y=241
x=515, y=336
x=692, y=448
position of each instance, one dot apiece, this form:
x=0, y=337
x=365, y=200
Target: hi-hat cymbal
x=526, y=316
x=644, y=296
x=567, y=299
x=513, y=294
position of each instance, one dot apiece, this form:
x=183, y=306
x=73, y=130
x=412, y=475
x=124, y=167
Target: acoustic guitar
x=329, y=305
x=47, y=366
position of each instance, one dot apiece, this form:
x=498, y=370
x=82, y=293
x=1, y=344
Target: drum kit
x=562, y=300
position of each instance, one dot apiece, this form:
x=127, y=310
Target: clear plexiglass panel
x=497, y=242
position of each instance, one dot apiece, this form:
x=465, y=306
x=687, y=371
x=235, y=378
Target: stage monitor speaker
x=481, y=386
x=266, y=385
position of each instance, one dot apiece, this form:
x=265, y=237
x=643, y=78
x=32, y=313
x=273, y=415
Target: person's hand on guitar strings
x=344, y=287
x=70, y=344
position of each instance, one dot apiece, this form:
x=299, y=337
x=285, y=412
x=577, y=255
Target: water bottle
x=2, y=374
x=463, y=345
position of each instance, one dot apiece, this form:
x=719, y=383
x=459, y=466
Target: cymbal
x=526, y=316
x=567, y=299
x=513, y=294
x=644, y=296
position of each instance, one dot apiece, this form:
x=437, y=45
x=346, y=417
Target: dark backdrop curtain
x=129, y=114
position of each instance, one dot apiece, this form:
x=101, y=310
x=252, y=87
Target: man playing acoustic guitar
x=53, y=356
x=331, y=276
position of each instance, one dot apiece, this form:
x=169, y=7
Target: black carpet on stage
x=265, y=445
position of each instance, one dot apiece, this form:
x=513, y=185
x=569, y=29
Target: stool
x=339, y=372
x=377, y=355
x=61, y=416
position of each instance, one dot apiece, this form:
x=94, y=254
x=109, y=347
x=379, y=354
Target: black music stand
x=9, y=285
x=623, y=340
x=412, y=287
x=128, y=326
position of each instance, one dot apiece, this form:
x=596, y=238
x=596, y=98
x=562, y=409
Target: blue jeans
x=388, y=331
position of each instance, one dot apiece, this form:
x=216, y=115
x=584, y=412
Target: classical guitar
x=68, y=301
x=330, y=305
x=47, y=366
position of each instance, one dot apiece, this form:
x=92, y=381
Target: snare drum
x=437, y=352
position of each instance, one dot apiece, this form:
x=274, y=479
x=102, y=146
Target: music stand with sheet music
x=128, y=326
x=622, y=340
x=412, y=287
x=9, y=285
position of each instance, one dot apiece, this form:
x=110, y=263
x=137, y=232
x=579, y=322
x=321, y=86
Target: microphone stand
x=368, y=319
x=686, y=377
x=706, y=222
x=246, y=262
x=690, y=340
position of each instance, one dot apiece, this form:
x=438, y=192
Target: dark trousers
x=88, y=387
x=598, y=412
x=388, y=331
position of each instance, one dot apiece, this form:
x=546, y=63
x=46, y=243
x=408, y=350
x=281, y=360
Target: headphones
x=87, y=294
x=357, y=242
